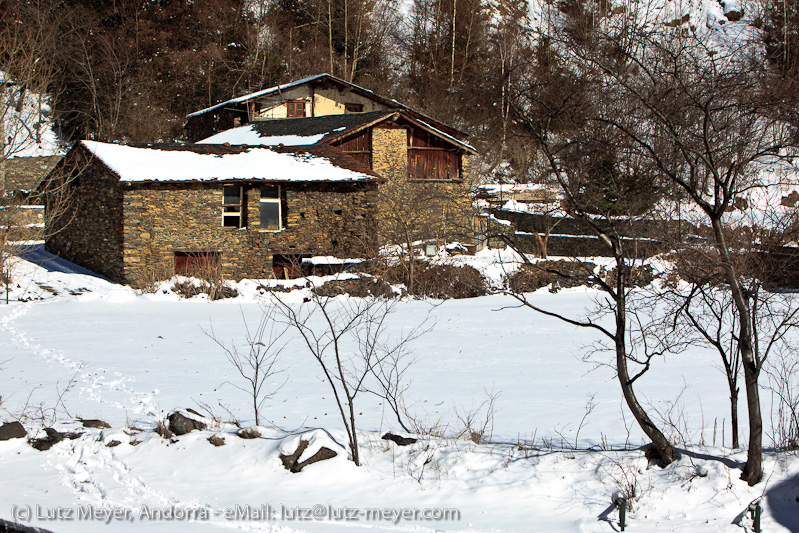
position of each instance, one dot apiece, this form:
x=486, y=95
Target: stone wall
x=32, y=218
x=319, y=219
x=390, y=152
x=444, y=206
x=89, y=233
x=25, y=173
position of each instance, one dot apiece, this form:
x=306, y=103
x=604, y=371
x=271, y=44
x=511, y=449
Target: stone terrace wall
x=318, y=219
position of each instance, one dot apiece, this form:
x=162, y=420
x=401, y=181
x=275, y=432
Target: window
x=353, y=108
x=295, y=109
x=232, y=206
x=270, y=208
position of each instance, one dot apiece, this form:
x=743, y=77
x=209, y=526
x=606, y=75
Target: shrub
x=639, y=276
x=559, y=274
x=215, y=291
x=439, y=281
x=528, y=279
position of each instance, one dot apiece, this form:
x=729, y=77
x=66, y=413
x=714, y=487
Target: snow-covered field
x=550, y=462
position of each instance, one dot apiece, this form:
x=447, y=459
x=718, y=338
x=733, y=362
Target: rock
x=217, y=440
x=53, y=437
x=248, y=433
x=400, y=441
x=94, y=423
x=113, y=444
x=734, y=15
x=180, y=424
x=290, y=461
x=12, y=430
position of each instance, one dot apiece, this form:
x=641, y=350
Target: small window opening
x=232, y=211
x=271, y=211
x=295, y=109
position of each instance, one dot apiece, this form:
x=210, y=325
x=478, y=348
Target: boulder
x=12, y=430
x=180, y=423
x=94, y=423
x=291, y=461
x=398, y=440
x=53, y=437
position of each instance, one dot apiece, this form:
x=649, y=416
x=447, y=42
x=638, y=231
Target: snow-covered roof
x=250, y=136
x=226, y=163
x=298, y=131
x=326, y=129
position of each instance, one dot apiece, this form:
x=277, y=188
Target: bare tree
x=707, y=311
x=697, y=113
x=28, y=74
x=553, y=105
x=783, y=377
x=414, y=212
x=705, y=121
x=29, y=96
x=351, y=341
x=256, y=360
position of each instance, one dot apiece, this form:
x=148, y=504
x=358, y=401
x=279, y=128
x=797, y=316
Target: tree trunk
x=753, y=470
x=330, y=33
x=452, y=60
x=734, y=417
x=411, y=273
x=661, y=445
x=356, y=458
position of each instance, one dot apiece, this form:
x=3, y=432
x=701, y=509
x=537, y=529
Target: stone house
x=389, y=142
x=146, y=212
x=398, y=144
x=311, y=97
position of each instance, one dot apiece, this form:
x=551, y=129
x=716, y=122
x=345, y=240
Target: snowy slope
x=129, y=359
x=27, y=128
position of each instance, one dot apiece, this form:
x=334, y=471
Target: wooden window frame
x=353, y=107
x=291, y=111
x=232, y=211
x=272, y=200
